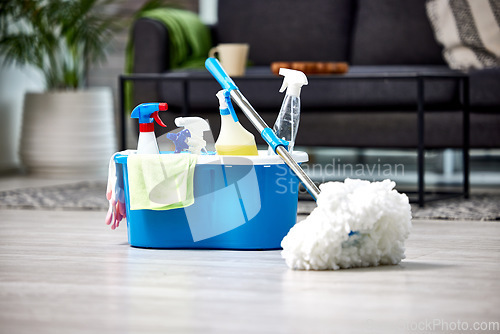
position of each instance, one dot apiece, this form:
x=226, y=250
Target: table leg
x=466, y=134
x=421, y=143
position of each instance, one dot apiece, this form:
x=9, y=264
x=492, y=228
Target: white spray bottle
x=147, y=113
x=233, y=139
x=196, y=126
x=287, y=123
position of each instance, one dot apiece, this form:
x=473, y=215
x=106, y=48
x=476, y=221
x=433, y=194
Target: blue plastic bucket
x=239, y=203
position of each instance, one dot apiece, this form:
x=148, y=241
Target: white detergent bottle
x=147, y=113
x=287, y=123
x=233, y=139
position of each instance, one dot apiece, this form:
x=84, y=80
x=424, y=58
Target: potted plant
x=68, y=128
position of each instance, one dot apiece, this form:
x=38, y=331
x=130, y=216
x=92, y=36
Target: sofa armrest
x=151, y=54
x=151, y=46
x=213, y=28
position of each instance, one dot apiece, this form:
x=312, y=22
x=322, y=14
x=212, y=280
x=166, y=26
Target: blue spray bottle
x=147, y=113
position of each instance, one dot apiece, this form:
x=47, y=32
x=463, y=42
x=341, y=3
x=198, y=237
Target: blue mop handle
x=215, y=68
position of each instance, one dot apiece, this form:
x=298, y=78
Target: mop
x=355, y=224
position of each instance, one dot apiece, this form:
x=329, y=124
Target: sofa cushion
x=380, y=87
x=393, y=32
x=485, y=88
x=287, y=30
x=396, y=129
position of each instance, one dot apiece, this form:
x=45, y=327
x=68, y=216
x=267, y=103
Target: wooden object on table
x=311, y=67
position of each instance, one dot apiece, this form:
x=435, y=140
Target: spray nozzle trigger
x=191, y=137
x=157, y=118
x=293, y=80
x=225, y=105
x=147, y=112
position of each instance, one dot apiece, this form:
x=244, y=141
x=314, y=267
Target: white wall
x=14, y=82
x=208, y=11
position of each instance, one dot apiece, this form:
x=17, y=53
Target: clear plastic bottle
x=287, y=123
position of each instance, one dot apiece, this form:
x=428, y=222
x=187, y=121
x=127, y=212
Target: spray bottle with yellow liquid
x=233, y=139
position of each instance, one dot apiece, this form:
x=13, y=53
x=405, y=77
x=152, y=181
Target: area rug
x=75, y=196
x=91, y=196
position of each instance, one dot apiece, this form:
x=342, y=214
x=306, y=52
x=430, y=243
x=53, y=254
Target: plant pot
x=68, y=133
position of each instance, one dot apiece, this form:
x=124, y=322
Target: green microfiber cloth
x=190, y=41
x=161, y=181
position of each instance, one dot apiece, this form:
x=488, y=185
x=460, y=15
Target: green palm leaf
x=60, y=37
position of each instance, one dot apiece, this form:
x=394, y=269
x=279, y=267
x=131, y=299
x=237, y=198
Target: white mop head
x=379, y=214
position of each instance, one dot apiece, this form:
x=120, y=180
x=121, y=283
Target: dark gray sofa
x=373, y=36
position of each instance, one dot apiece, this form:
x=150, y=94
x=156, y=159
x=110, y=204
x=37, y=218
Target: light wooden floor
x=66, y=272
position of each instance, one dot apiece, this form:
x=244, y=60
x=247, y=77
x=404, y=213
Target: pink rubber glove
x=116, y=213
x=115, y=195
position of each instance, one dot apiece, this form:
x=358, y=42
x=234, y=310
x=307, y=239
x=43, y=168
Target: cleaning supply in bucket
x=279, y=146
x=379, y=214
x=233, y=139
x=180, y=140
x=287, y=123
x=147, y=113
x=161, y=181
x=192, y=134
x=115, y=193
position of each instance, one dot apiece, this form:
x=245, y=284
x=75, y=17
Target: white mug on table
x=233, y=57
